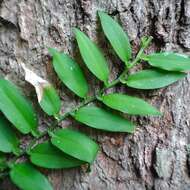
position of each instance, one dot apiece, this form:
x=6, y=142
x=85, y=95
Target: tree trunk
x=157, y=155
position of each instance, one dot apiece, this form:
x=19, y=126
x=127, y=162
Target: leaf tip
x=52, y=51
x=100, y=13
x=76, y=30
x=160, y=113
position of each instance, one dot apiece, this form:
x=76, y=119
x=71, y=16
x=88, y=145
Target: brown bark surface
x=156, y=156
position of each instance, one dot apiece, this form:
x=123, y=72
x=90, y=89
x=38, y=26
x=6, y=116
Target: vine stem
x=86, y=101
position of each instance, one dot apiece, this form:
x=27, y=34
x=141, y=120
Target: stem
x=59, y=118
x=85, y=102
x=145, y=44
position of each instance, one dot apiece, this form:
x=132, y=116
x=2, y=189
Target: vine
x=67, y=148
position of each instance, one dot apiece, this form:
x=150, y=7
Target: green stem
x=141, y=52
x=85, y=102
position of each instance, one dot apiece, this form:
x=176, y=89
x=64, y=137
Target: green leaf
x=129, y=104
x=8, y=140
x=48, y=156
x=47, y=95
x=92, y=56
x=26, y=177
x=169, y=61
x=16, y=108
x=50, y=101
x=153, y=79
x=75, y=144
x=116, y=36
x=70, y=73
x=100, y=119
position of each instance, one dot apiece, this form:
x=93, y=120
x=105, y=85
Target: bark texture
x=157, y=156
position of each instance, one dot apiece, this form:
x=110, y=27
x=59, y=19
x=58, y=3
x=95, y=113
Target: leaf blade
x=106, y=120
x=48, y=156
x=116, y=36
x=70, y=73
x=16, y=108
x=169, y=61
x=92, y=56
x=26, y=177
x=50, y=102
x=8, y=139
x=129, y=104
x=75, y=144
x=153, y=79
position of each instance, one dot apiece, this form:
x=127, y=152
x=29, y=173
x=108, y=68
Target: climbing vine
x=66, y=147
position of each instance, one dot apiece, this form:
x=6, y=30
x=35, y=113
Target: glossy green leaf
x=16, y=108
x=70, y=73
x=92, y=56
x=50, y=101
x=48, y=156
x=101, y=119
x=26, y=177
x=129, y=104
x=116, y=36
x=75, y=144
x=8, y=139
x=169, y=61
x=153, y=79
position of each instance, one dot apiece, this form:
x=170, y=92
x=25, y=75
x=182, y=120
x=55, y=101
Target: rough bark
x=157, y=156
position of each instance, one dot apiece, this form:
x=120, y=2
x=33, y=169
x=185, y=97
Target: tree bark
x=157, y=155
